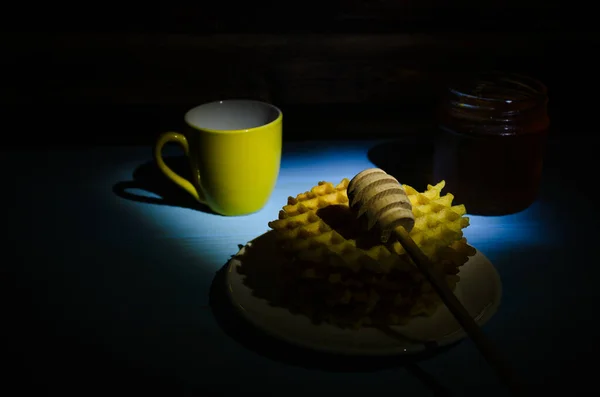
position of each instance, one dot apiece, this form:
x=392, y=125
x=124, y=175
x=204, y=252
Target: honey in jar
x=490, y=143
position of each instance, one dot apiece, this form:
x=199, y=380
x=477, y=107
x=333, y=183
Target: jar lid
x=499, y=87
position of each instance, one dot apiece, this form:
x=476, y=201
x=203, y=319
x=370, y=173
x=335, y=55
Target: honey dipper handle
x=485, y=346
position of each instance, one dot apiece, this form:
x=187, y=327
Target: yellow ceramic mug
x=234, y=149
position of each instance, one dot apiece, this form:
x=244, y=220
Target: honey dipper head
x=382, y=199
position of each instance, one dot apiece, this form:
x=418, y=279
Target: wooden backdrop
x=343, y=67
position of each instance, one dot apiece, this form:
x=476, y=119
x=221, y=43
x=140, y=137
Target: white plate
x=479, y=290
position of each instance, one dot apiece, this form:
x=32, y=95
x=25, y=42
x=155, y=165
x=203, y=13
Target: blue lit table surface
x=128, y=282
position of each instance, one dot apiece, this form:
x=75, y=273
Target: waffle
x=338, y=272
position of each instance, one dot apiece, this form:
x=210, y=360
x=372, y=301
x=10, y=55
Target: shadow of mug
x=159, y=189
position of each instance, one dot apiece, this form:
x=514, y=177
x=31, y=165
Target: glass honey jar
x=490, y=142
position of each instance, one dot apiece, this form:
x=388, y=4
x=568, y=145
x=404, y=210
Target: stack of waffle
x=337, y=272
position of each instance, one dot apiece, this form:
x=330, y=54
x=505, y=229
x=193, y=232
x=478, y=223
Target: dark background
x=96, y=73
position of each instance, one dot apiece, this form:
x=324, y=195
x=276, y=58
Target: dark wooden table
x=115, y=281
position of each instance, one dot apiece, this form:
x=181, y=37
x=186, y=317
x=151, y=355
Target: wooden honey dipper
x=382, y=199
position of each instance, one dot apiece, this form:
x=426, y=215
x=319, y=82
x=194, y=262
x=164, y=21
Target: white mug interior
x=232, y=114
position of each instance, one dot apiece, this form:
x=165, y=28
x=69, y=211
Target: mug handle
x=175, y=137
